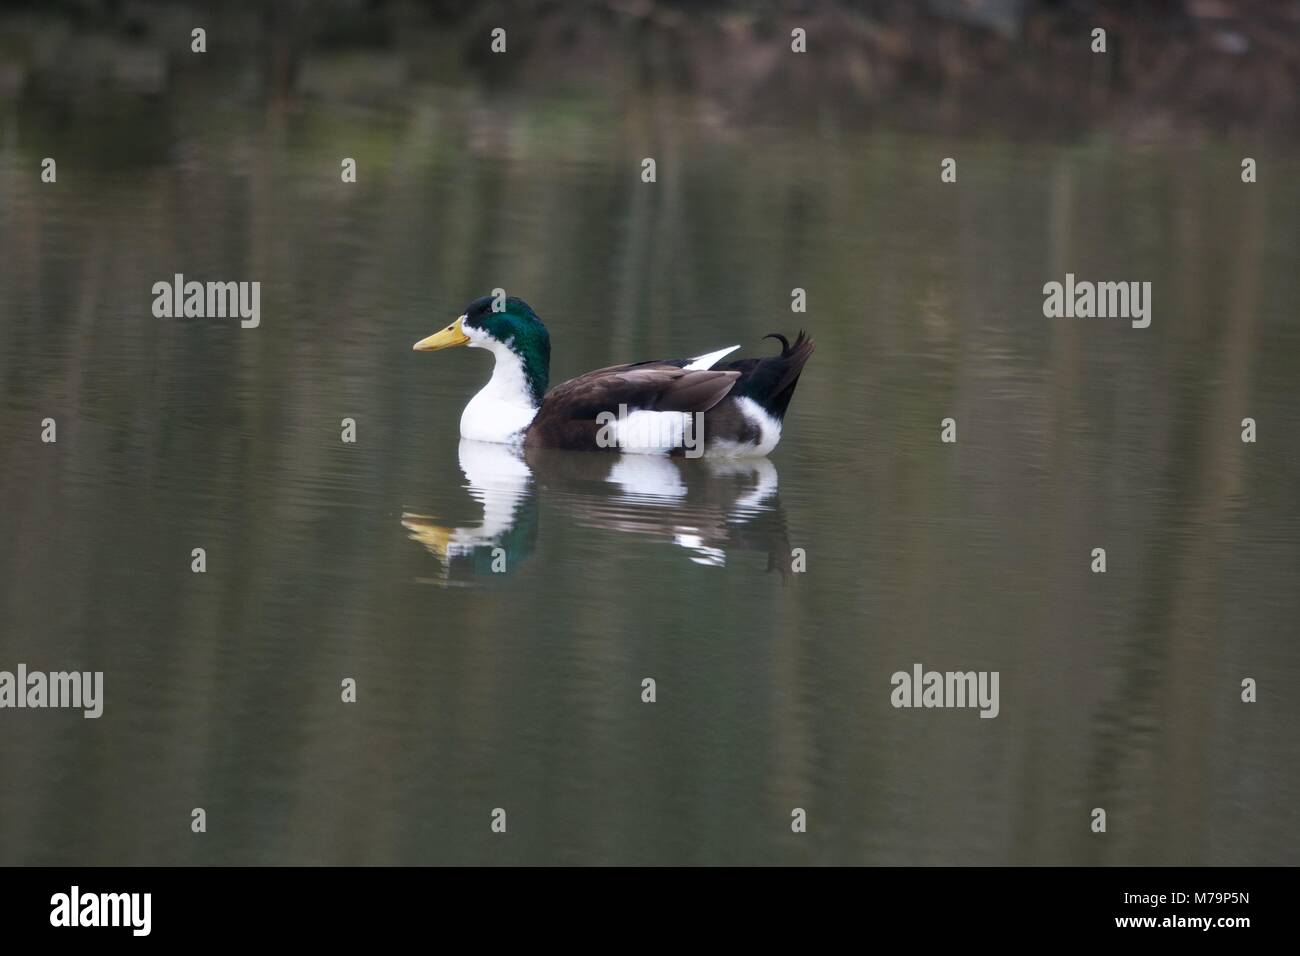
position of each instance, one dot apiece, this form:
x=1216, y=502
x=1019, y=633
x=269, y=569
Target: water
x=522, y=689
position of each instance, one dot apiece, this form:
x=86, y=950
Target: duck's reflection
x=708, y=508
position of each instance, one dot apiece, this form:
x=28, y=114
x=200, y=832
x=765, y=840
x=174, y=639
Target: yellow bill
x=448, y=337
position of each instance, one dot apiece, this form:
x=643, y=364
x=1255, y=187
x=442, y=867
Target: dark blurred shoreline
x=1174, y=69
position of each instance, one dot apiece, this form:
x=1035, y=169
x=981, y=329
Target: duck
x=678, y=407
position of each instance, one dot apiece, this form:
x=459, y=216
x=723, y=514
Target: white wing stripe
x=708, y=361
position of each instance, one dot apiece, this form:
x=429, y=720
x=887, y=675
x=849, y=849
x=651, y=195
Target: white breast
x=490, y=418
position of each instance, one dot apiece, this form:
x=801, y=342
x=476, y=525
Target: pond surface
x=522, y=689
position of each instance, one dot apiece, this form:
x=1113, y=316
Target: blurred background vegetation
x=1026, y=65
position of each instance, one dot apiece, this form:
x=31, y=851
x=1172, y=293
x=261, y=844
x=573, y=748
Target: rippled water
x=522, y=689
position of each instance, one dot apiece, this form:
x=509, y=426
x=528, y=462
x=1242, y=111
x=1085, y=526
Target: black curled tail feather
x=771, y=381
x=785, y=343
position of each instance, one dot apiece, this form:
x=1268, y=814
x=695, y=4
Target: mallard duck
x=676, y=406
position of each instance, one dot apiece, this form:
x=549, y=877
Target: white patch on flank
x=708, y=361
x=646, y=432
x=769, y=433
x=504, y=407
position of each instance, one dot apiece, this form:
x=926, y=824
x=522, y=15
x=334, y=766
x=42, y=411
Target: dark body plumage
x=568, y=414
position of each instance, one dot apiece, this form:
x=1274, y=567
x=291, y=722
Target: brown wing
x=567, y=418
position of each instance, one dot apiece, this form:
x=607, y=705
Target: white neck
x=504, y=406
